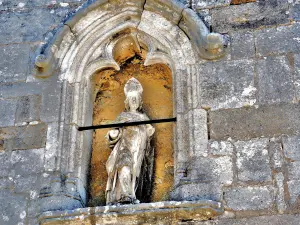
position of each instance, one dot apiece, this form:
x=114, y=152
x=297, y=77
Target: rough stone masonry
x=251, y=96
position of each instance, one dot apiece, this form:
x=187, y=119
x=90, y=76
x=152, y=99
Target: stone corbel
x=46, y=61
x=208, y=45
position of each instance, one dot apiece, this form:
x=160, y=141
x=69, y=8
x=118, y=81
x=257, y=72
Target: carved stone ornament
x=79, y=29
x=92, y=39
x=128, y=165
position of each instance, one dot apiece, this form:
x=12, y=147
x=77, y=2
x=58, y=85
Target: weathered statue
x=130, y=163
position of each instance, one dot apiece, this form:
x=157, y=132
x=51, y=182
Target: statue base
x=149, y=213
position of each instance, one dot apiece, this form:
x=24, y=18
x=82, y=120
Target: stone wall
x=251, y=96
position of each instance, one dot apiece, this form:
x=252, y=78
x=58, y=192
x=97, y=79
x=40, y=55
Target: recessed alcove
x=157, y=42
x=109, y=97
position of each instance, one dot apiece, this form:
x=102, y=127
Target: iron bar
x=129, y=124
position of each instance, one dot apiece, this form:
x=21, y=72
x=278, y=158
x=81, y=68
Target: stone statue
x=130, y=163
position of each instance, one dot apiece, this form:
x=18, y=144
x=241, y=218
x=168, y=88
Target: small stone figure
x=128, y=163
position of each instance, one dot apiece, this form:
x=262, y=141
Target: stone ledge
x=162, y=212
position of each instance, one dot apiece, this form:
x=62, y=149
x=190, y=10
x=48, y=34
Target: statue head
x=133, y=92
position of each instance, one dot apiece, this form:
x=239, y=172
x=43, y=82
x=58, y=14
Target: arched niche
x=89, y=41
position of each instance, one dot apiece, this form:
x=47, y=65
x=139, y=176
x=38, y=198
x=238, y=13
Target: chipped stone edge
x=204, y=209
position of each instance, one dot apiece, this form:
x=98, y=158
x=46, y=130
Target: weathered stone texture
x=51, y=146
x=277, y=40
x=275, y=80
x=268, y=220
x=31, y=184
x=199, y=139
x=6, y=183
x=242, y=45
x=13, y=208
x=27, y=162
x=291, y=146
x=253, y=160
x=280, y=194
x=202, y=4
x=226, y=84
x=5, y=164
x=218, y=170
x=46, y=109
x=297, y=76
x=29, y=25
x=276, y=155
x=197, y=191
x=295, y=10
x=251, y=15
x=28, y=109
x=252, y=122
x=294, y=191
x=7, y=112
x=219, y=148
x=14, y=62
x=249, y=198
x=237, y=2
x=24, y=137
x=24, y=5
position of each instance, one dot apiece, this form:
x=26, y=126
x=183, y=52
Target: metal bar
x=129, y=124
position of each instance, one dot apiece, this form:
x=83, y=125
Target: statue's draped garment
x=130, y=149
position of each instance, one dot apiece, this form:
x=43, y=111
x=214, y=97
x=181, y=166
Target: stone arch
x=86, y=42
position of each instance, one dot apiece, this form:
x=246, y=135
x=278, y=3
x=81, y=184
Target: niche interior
x=108, y=87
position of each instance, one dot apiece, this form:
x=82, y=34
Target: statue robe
x=132, y=150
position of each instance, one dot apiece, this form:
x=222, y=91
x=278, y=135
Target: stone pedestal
x=146, y=213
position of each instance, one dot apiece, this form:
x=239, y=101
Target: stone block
x=13, y=90
x=278, y=40
x=51, y=146
x=7, y=112
x=198, y=137
x=253, y=160
x=30, y=24
x=26, y=162
x=259, y=220
x=51, y=102
x=276, y=155
x=28, y=109
x=5, y=165
x=14, y=62
x=27, y=4
x=226, y=84
x=291, y=147
x=31, y=184
x=297, y=76
x=204, y=4
x=219, y=148
x=251, y=15
x=279, y=195
x=242, y=45
x=252, y=122
x=218, y=170
x=294, y=190
x=275, y=80
x=13, y=208
x=6, y=183
x=249, y=198
x=295, y=11
x=197, y=191
x=24, y=137
x=293, y=170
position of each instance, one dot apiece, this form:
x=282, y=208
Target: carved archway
x=88, y=42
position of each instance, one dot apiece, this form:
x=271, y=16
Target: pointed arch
x=86, y=42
